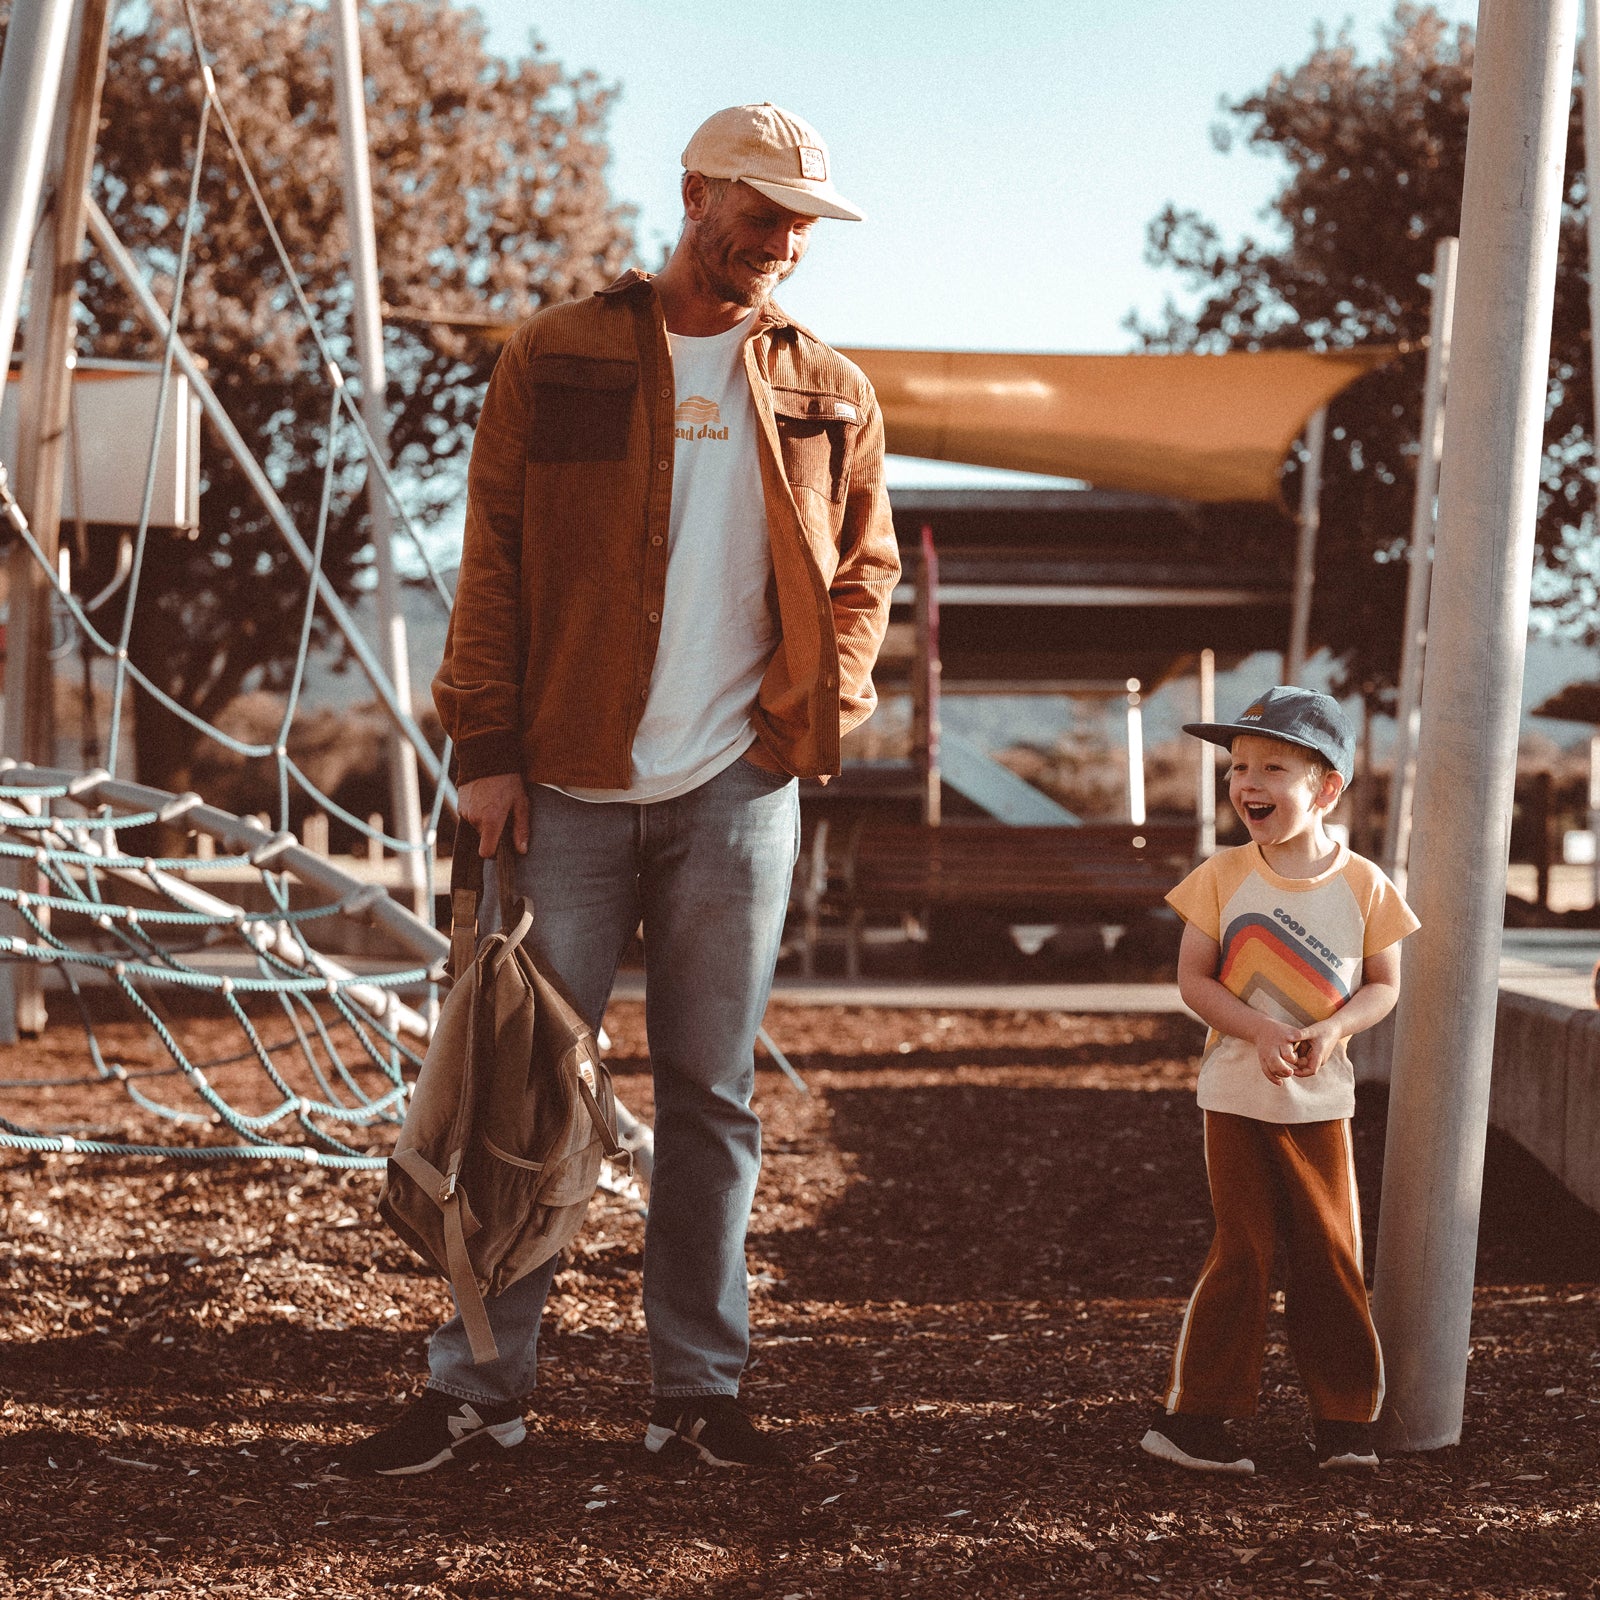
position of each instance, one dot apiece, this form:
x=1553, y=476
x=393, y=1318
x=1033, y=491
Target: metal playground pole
x=30, y=79
x=1489, y=484
x=350, y=97
x=1403, y=779
x=1305, y=550
x=1206, y=798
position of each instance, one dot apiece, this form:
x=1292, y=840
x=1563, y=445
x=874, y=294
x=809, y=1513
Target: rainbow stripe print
x=1261, y=958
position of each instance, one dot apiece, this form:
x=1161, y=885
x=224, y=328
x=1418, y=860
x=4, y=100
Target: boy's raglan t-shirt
x=1292, y=948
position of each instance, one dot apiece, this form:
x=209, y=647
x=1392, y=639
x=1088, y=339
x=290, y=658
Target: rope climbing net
x=335, y=1047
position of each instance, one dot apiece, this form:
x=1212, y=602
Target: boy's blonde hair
x=1318, y=763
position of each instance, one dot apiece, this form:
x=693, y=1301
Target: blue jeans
x=708, y=874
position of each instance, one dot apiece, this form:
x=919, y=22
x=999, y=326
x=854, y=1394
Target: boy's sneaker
x=1345, y=1446
x=1199, y=1443
x=713, y=1428
x=432, y=1429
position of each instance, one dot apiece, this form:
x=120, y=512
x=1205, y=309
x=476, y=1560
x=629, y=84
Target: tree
x=1376, y=154
x=490, y=200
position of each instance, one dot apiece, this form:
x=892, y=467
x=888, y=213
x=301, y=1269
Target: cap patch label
x=813, y=164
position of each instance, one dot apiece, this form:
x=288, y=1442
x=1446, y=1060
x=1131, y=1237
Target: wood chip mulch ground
x=972, y=1244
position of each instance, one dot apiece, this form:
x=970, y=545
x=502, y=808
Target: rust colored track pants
x=1297, y=1182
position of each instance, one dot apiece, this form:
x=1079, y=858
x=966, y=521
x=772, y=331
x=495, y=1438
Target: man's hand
x=487, y=802
x=1275, y=1042
x=1314, y=1045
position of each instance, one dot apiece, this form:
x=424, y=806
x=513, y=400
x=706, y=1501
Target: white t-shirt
x=1292, y=948
x=717, y=631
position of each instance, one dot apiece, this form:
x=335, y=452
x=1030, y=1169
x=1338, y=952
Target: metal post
x=1403, y=773
x=1591, y=167
x=1538, y=824
x=1471, y=703
x=350, y=98
x=1135, y=755
x=30, y=80
x=1305, y=550
x=1206, y=797
x=44, y=402
x=45, y=394
x=925, y=680
x=1592, y=821
x=1360, y=812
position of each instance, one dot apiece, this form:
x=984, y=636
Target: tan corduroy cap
x=775, y=153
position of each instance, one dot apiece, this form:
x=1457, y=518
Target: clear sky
x=1008, y=156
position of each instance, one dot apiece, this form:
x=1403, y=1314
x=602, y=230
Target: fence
x=1545, y=1092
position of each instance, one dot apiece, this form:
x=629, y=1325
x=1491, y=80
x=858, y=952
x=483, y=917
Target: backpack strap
x=466, y=896
x=459, y=1226
x=466, y=887
x=602, y=1108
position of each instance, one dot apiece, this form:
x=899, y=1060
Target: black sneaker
x=1345, y=1446
x=1199, y=1443
x=430, y=1431
x=713, y=1428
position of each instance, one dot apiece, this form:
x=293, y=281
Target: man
x=674, y=582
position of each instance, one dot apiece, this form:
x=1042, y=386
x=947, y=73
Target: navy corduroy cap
x=1297, y=716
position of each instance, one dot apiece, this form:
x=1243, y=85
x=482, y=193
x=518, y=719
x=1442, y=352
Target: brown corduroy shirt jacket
x=563, y=569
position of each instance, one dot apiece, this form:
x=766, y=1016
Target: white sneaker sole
x=1158, y=1444
x=506, y=1434
x=657, y=1438
x=1350, y=1462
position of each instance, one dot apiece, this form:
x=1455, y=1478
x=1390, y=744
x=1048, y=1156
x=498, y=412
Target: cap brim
x=808, y=202
x=1224, y=733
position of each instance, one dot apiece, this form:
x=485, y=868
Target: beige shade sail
x=1197, y=427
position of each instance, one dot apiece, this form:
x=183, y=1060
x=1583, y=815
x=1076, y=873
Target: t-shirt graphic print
x=1261, y=956
x=1292, y=948
x=698, y=418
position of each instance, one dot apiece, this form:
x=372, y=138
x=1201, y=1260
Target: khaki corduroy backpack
x=510, y=1119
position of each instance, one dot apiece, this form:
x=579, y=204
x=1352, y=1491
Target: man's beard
x=709, y=246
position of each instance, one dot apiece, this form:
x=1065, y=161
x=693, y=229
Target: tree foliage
x=490, y=199
x=1376, y=152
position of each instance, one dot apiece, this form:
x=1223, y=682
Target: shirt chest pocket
x=817, y=435
x=581, y=408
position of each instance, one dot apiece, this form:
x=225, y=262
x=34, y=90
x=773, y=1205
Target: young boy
x=1291, y=944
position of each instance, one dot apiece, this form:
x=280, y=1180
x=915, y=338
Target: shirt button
x=644, y=694
x=655, y=616
x=666, y=394
x=655, y=538
x=663, y=465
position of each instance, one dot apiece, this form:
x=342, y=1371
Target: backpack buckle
x=447, y=1190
